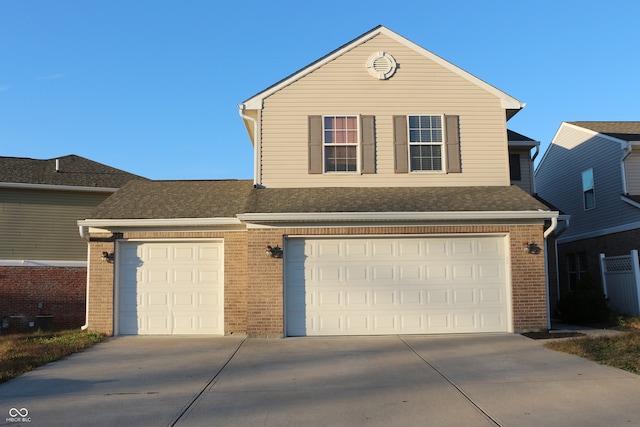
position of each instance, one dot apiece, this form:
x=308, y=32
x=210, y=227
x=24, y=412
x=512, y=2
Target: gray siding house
x=591, y=171
x=43, y=259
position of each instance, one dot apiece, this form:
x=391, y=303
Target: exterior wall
x=102, y=277
x=559, y=181
x=632, y=172
x=254, y=283
x=41, y=224
x=266, y=300
x=611, y=245
x=60, y=290
x=419, y=86
x=526, y=172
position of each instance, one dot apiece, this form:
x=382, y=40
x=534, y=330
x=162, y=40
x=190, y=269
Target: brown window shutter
x=315, y=144
x=368, y=133
x=453, y=144
x=400, y=144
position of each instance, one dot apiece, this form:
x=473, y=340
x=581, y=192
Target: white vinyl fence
x=621, y=282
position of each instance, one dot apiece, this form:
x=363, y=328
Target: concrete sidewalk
x=470, y=380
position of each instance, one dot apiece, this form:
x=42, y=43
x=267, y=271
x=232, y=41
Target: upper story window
x=514, y=167
x=340, y=140
x=588, y=190
x=425, y=143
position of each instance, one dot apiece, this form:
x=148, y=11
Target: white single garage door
x=396, y=285
x=170, y=287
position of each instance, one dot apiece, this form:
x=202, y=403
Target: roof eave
x=25, y=186
x=397, y=216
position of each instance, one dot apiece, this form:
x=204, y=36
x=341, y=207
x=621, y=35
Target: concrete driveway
x=505, y=380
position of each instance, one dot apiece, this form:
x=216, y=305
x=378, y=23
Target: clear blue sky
x=151, y=87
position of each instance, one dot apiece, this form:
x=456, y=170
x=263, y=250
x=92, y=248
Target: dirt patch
x=546, y=335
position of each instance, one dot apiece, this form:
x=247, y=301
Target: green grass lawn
x=620, y=351
x=20, y=353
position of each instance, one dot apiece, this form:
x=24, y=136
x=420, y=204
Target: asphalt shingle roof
x=176, y=199
x=228, y=198
x=626, y=131
x=74, y=171
x=391, y=199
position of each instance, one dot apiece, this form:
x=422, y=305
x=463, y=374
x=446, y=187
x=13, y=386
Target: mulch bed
x=545, y=335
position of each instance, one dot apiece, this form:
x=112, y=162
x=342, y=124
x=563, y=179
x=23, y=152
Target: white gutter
x=626, y=151
x=531, y=173
x=552, y=227
x=397, y=216
x=161, y=222
x=256, y=145
x=23, y=186
x=86, y=304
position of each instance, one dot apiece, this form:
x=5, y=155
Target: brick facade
x=254, y=285
x=42, y=297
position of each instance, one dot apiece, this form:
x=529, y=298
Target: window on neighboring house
x=576, y=268
x=340, y=139
x=588, y=191
x=425, y=143
x=514, y=167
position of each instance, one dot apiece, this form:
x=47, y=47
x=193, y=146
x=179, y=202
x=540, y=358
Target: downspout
x=626, y=152
x=85, y=235
x=533, y=178
x=256, y=146
x=547, y=232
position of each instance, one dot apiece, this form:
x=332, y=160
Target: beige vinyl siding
x=419, y=86
x=632, y=170
x=41, y=225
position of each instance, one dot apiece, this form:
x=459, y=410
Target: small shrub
x=584, y=304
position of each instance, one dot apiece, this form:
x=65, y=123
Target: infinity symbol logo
x=22, y=412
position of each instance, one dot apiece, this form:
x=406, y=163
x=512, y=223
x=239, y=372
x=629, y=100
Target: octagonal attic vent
x=381, y=65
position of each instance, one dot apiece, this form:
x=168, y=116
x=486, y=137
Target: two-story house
x=591, y=171
x=381, y=204
x=43, y=260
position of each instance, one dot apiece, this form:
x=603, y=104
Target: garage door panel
x=356, y=272
x=436, y=297
x=357, y=298
x=329, y=299
x=329, y=274
x=383, y=298
x=395, y=285
x=383, y=273
x=491, y=296
x=170, y=288
x=158, y=254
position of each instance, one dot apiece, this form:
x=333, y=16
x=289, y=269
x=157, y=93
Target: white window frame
x=357, y=144
x=441, y=143
x=588, y=185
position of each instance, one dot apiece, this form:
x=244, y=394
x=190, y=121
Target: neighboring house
x=381, y=204
x=591, y=171
x=43, y=259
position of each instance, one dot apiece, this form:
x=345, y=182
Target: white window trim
x=358, y=147
x=443, y=145
x=593, y=188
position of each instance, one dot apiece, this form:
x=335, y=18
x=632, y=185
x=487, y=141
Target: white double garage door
x=332, y=286
x=399, y=285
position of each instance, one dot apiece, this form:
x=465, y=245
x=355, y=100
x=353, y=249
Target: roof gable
x=71, y=170
x=256, y=102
